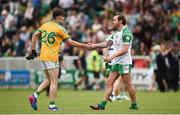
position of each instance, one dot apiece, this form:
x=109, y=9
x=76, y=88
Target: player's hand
x=32, y=55
x=92, y=45
x=88, y=46
x=106, y=59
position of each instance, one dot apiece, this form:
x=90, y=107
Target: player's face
x=61, y=19
x=115, y=22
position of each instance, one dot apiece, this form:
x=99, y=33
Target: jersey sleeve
x=127, y=36
x=64, y=34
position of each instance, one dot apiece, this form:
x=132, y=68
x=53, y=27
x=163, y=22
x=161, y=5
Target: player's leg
x=53, y=75
x=116, y=86
x=131, y=90
x=116, y=90
x=43, y=85
x=108, y=91
x=121, y=91
x=123, y=95
x=81, y=80
x=96, y=80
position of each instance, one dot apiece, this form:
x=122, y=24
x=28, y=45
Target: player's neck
x=57, y=22
x=120, y=27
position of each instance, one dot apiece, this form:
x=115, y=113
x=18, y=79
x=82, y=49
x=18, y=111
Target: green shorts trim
x=107, y=71
x=121, y=69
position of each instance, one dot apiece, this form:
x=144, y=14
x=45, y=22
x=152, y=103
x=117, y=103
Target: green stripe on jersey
x=127, y=35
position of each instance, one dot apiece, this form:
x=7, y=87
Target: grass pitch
x=14, y=101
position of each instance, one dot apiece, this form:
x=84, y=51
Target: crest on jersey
x=128, y=38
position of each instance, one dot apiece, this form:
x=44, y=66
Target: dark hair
x=58, y=12
x=121, y=17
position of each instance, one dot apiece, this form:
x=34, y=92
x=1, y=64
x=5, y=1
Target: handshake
x=33, y=54
x=90, y=46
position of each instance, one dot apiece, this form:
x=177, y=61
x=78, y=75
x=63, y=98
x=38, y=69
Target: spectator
x=173, y=58
x=66, y=4
x=94, y=67
x=9, y=24
x=162, y=69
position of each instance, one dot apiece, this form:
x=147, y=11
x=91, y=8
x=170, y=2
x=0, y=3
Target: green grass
x=71, y=102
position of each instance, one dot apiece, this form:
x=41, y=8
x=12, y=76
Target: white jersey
x=120, y=38
x=111, y=49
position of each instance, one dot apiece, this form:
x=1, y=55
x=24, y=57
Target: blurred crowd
x=153, y=22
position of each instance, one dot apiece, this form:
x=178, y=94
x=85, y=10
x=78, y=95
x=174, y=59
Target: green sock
x=134, y=104
x=36, y=94
x=103, y=103
x=52, y=102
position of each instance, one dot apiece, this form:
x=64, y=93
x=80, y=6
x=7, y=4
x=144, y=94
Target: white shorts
x=49, y=64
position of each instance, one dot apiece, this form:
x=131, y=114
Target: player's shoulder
x=46, y=24
x=62, y=28
x=126, y=30
x=49, y=22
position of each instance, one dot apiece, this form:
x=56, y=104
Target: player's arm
x=64, y=34
x=105, y=51
x=122, y=51
x=104, y=44
x=35, y=37
x=78, y=44
x=126, y=40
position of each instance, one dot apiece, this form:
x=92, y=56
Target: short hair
x=121, y=17
x=58, y=12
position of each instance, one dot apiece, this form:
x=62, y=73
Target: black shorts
x=83, y=73
x=96, y=74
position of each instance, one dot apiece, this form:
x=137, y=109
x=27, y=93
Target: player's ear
x=120, y=21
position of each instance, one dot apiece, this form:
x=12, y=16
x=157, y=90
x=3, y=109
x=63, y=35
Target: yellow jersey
x=52, y=36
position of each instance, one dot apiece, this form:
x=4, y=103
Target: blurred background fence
x=17, y=72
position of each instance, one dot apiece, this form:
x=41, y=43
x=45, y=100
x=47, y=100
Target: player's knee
x=109, y=83
x=54, y=83
x=128, y=85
